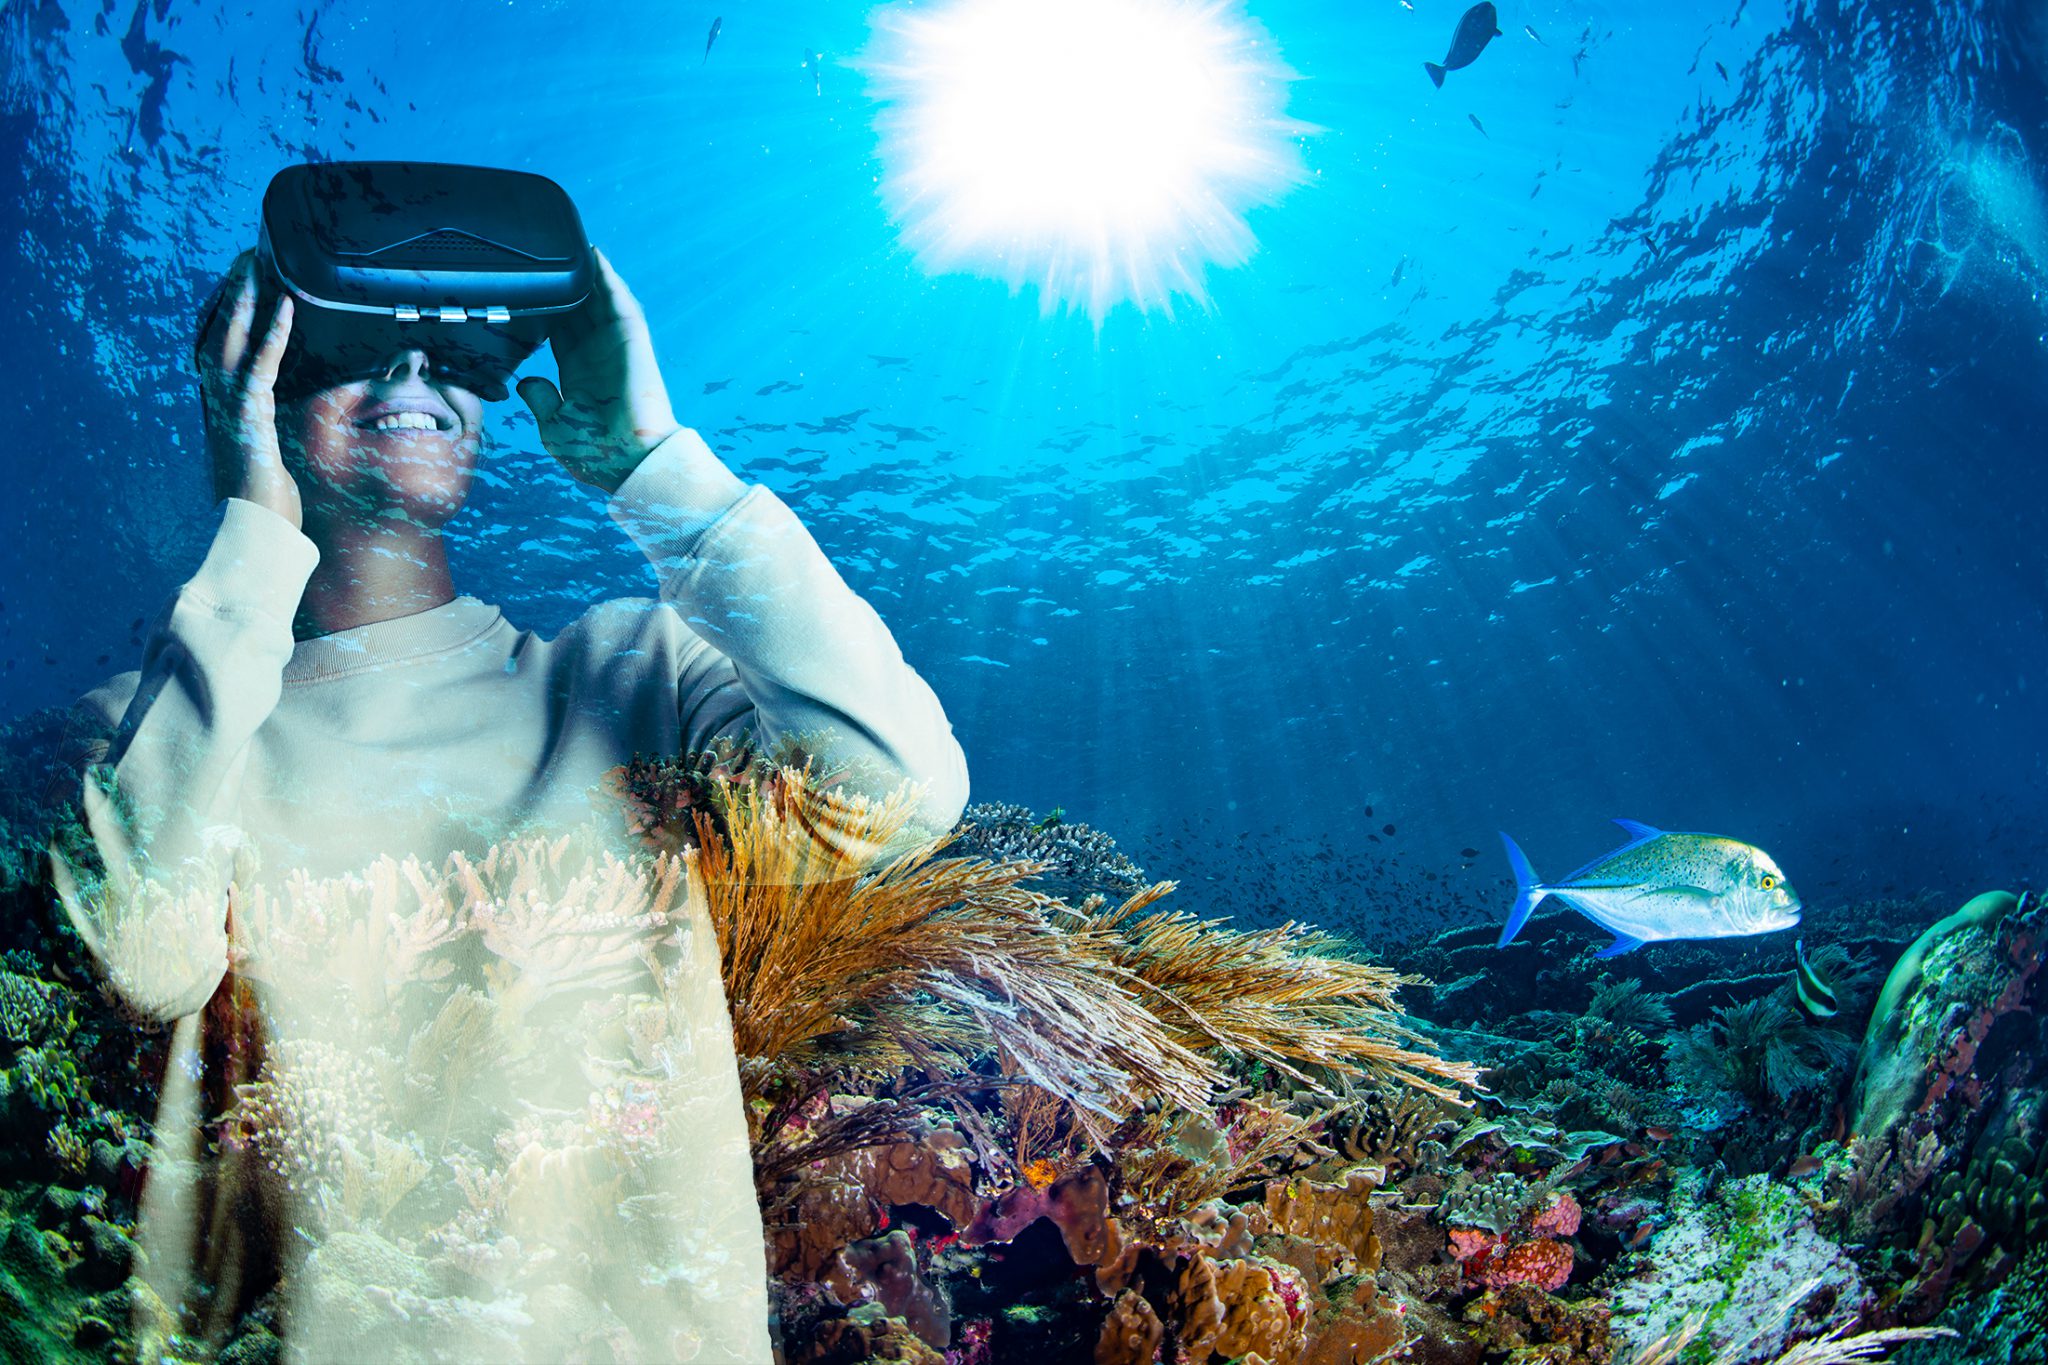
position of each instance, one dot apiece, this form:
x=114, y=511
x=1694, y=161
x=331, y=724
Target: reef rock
x=1947, y=1147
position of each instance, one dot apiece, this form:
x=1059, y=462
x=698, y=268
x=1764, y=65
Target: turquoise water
x=1662, y=444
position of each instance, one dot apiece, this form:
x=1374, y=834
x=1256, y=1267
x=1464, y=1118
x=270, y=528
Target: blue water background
x=1671, y=448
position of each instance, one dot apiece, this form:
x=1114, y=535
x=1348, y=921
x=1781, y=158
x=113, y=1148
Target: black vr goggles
x=469, y=264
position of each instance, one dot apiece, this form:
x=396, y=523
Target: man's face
x=402, y=444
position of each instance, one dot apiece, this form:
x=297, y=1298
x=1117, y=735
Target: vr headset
x=471, y=265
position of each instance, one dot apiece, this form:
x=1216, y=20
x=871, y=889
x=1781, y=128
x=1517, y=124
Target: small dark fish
x=1479, y=26
x=712, y=37
x=1368, y=812
x=1395, y=283
x=1534, y=34
x=1468, y=853
x=1650, y=242
x=135, y=625
x=715, y=385
x=1722, y=69
x=1802, y=1167
x=814, y=62
x=1816, y=996
x=1387, y=830
x=103, y=658
x=1480, y=126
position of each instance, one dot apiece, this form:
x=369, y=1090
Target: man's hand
x=237, y=369
x=612, y=407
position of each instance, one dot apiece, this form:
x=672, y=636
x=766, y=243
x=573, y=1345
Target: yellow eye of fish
x=1769, y=881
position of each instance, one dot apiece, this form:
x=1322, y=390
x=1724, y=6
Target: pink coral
x=1545, y=1264
x=1558, y=1218
x=1468, y=1243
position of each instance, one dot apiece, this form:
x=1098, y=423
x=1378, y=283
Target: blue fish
x=1661, y=886
x=712, y=37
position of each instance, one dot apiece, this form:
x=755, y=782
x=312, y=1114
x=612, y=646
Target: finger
x=214, y=329
x=241, y=319
x=271, y=353
x=542, y=398
x=620, y=298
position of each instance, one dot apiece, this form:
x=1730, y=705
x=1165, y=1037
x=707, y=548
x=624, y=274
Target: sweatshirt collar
x=438, y=630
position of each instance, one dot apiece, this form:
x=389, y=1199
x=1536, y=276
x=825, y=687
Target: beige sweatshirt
x=237, y=755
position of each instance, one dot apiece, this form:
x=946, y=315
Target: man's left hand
x=612, y=407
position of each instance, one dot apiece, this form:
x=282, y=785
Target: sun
x=1103, y=150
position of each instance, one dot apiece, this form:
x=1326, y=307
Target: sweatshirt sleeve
x=144, y=871
x=790, y=641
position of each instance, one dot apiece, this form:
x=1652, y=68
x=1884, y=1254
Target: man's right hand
x=236, y=375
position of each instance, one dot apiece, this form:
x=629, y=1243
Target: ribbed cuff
x=673, y=497
x=258, y=561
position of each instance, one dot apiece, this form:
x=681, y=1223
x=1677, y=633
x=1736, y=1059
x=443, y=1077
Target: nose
x=410, y=363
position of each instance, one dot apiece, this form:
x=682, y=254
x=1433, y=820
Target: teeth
x=406, y=421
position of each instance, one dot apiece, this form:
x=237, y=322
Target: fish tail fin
x=1436, y=73
x=1528, y=892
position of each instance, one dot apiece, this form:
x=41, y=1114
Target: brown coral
x=868, y=1336
x=1337, y=1217
x=842, y=1199
x=1131, y=1334
x=1265, y=1310
x=883, y=1270
x=1519, y=1317
x=1367, y=1329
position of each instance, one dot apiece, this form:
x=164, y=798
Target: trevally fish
x=1661, y=886
x=1479, y=26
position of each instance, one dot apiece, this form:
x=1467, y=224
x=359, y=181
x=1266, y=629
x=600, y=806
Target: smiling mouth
x=406, y=421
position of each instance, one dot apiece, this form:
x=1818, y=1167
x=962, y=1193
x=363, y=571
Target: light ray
x=1103, y=150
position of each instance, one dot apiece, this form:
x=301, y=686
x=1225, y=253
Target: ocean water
x=1668, y=449
x=1647, y=423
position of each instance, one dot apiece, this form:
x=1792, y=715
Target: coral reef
x=1002, y=1104
x=1734, y=1254
x=1946, y=1158
x=1076, y=858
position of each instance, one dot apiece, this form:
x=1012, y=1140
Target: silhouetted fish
x=1480, y=126
x=1480, y=26
x=1722, y=69
x=1534, y=34
x=712, y=37
x=814, y=63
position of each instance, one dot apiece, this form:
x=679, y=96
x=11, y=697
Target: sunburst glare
x=1103, y=150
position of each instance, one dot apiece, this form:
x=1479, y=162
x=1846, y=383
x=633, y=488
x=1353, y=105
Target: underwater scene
x=1137, y=682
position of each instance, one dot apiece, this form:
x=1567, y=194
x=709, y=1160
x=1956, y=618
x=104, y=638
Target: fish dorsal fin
x=1638, y=832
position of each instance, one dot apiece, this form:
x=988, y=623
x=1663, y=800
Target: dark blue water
x=1648, y=423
